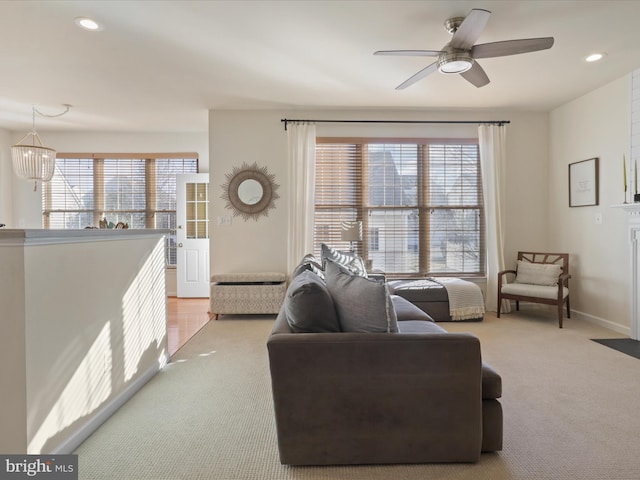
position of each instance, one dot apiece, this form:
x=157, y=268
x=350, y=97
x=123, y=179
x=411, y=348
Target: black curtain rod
x=487, y=122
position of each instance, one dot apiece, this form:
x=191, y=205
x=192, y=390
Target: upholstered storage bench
x=247, y=293
x=433, y=297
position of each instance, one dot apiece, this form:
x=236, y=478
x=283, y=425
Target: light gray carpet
x=571, y=410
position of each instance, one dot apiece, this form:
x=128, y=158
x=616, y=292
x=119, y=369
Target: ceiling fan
x=461, y=53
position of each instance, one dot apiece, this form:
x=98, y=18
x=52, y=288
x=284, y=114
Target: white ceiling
x=160, y=65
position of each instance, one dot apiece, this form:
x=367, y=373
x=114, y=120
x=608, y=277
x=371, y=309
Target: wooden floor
x=186, y=316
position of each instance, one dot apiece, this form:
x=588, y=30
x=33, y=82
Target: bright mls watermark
x=50, y=467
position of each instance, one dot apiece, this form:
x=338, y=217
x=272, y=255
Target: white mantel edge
x=630, y=208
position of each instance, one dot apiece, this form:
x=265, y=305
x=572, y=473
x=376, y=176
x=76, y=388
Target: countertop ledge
x=38, y=236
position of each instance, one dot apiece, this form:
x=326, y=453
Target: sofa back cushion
x=309, y=306
x=363, y=305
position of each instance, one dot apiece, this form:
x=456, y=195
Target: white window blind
x=420, y=202
x=137, y=189
x=338, y=191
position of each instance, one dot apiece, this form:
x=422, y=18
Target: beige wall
x=6, y=179
x=247, y=246
x=259, y=136
x=526, y=189
x=595, y=125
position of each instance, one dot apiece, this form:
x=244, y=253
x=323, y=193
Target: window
x=420, y=202
x=374, y=239
x=137, y=189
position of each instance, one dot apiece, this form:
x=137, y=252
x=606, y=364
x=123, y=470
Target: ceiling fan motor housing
x=454, y=60
x=452, y=24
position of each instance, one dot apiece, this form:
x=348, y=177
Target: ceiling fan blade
x=511, y=47
x=409, y=53
x=418, y=76
x=476, y=75
x=470, y=29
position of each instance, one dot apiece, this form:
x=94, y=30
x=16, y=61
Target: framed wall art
x=583, y=183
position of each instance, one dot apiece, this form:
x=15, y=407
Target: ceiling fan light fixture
x=454, y=62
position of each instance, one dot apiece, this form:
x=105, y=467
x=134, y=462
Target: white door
x=192, y=235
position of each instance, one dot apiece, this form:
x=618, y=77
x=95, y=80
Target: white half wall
x=595, y=125
x=84, y=326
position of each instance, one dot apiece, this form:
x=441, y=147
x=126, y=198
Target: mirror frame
x=233, y=182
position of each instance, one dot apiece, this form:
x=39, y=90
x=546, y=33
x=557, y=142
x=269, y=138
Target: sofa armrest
x=359, y=398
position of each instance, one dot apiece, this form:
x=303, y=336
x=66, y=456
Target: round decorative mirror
x=250, y=191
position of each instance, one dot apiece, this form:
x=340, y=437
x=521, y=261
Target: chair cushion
x=545, y=274
x=537, y=291
x=363, y=305
x=308, y=305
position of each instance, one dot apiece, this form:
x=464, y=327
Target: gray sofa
x=420, y=395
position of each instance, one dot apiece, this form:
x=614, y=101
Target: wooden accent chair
x=539, y=278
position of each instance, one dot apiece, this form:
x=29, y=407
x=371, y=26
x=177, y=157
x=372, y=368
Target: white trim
x=111, y=407
x=634, y=233
x=616, y=327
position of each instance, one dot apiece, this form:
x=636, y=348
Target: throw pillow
x=362, y=305
x=545, y=274
x=308, y=305
x=348, y=260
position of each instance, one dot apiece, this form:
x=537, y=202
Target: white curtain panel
x=301, y=178
x=492, y=139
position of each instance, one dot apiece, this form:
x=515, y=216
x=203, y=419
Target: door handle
x=180, y=227
x=180, y=245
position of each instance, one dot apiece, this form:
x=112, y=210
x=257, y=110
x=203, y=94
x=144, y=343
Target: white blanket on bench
x=465, y=298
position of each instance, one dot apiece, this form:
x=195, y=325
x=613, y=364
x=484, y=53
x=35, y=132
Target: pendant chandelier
x=35, y=161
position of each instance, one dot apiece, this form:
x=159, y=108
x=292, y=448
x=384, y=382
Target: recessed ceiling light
x=594, y=57
x=88, y=24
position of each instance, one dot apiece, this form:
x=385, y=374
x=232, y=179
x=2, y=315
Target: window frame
x=150, y=211
x=362, y=209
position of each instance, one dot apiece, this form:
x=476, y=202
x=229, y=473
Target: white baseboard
x=111, y=407
x=602, y=322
